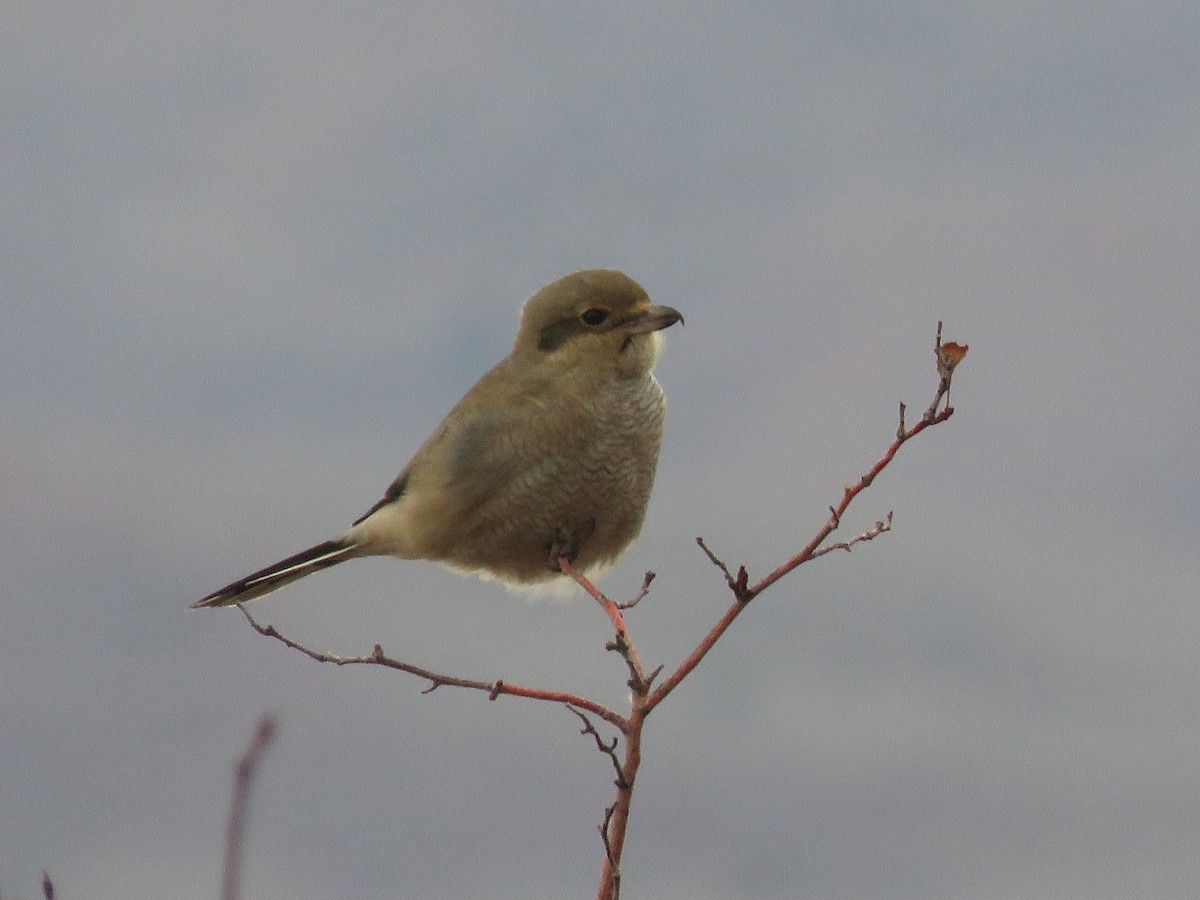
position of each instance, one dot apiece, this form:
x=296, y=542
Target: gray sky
x=249, y=259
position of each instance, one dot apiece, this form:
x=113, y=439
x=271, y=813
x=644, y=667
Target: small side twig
x=630, y=604
x=608, y=748
x=614, y=864
x=737, y=583
x=712, y=558
x=870, y=534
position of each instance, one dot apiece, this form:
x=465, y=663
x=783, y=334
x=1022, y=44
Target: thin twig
x=609, y=748
x=244, y=772
x=630, y=604
x=712, y=558
x=869, y=535
x=948, y=356
x=493, y=689
x=614, y=864
x=624, y=642
x=616, y=817
x=851, y=491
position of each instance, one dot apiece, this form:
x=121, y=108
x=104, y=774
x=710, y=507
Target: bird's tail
x=275, y=576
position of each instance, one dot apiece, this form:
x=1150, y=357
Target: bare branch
x=613, y=885
x=853, y=490
x=630, y=604
x=737, y=583
x=623, y=644
x=870, y=534
x=616, y=817
x=645, y=697
x=493, y=689
x=712, y=558
x=948, y=356
x=244, y=772
x=609, y=749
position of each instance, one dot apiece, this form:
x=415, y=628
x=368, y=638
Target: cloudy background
x=250, y=254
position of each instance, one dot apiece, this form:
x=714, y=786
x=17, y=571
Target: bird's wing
x=505, y=435
x=394, y=491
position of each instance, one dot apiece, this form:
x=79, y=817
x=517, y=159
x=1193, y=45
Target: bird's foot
x=565, y=542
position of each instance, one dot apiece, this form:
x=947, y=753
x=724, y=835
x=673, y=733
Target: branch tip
x=645, y=589
x=712, y=558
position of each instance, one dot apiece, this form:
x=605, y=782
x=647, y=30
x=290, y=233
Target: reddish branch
x=644, y=696
x=493, y=689
x=244, y=772
x=744, y=592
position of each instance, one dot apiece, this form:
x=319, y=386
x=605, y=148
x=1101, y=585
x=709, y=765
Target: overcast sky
x=249, y=256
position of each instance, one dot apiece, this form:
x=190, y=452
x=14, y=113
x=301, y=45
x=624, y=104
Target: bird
x=552, y=453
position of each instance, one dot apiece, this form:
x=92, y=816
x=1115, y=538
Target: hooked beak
x=653, y=318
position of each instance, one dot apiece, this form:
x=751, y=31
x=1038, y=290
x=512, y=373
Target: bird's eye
x=594, y=316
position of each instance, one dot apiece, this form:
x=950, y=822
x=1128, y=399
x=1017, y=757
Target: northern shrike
x=552, y=453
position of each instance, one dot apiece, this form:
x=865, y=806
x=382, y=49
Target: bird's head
x=596, y=317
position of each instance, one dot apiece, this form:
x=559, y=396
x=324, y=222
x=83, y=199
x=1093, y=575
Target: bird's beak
x=653, y=318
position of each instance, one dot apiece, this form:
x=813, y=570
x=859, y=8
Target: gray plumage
x=552, y=453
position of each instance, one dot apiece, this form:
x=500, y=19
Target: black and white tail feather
x=275, y=576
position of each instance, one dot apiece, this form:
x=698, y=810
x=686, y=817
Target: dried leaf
x=950, y=355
